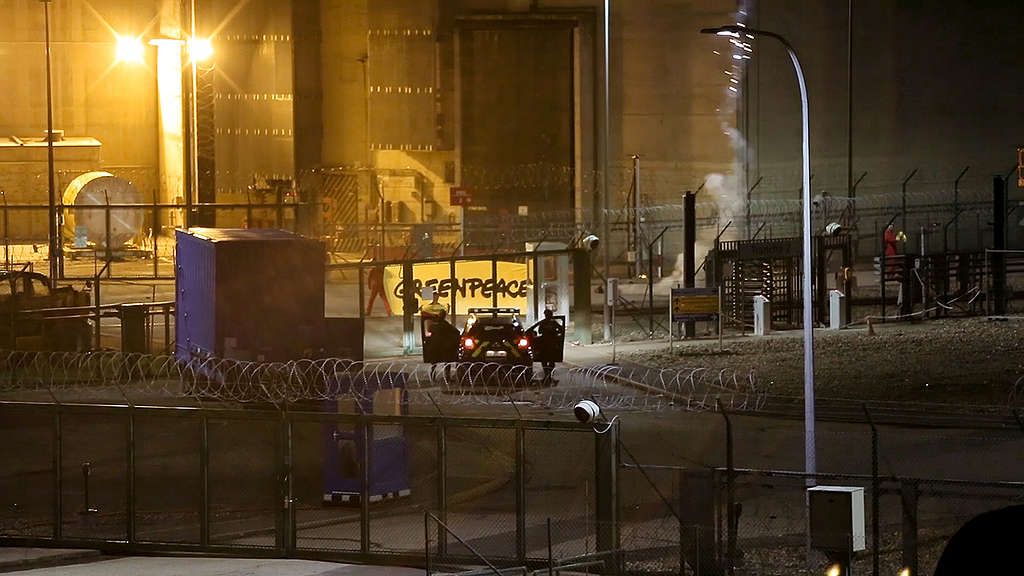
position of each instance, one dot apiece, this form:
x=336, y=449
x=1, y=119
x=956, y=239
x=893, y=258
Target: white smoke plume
x=728, y=191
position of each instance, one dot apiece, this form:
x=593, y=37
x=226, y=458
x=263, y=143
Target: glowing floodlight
x=129, y=49
x=200, y=49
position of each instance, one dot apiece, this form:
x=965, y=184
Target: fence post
x=364, y=488
x=279, y=199
x=426, y=541
x=131, y=475
x=883, y=271
x=156, y=228
x=999, y=246
x=107, y=255
x=58, y=457
x=442, y=487
x=907, y=286
x=551, y=558
x=520, y=489
x=287, y=514
x=606, y=495
x=204, y=478
x=169, y=347
x=875, y=493
x=409, y=308
x=97, y=335
x=908, y=496
x=730, y=494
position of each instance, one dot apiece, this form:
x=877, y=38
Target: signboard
x=460, y=196
x=472, y=285
x=694, y=304
x=770, y=249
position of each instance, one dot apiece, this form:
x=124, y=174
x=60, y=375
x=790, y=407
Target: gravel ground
x=971, y=360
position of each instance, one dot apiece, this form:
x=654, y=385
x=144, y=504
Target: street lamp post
x=605, y=182
x=51, y=199
x=739, y=32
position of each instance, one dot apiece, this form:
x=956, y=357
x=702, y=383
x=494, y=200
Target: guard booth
x=347, y=446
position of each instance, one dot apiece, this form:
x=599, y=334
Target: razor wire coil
x=77, y=375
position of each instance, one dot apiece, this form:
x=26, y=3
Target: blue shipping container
x=249, y=294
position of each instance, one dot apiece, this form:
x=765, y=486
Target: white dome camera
x=590, y=243
x=587, y=411
x=833, y=229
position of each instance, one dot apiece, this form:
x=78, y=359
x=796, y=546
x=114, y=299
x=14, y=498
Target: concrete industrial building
x=374, y=109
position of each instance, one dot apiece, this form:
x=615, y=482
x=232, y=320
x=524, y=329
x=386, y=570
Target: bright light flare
x=905, y=572
x=200, y=49
x=130, y=49
x=833, y=570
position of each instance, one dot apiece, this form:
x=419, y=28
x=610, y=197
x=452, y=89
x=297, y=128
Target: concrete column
x=581, y=296
x=344, y=57
x=307, y=109
x=170, y=142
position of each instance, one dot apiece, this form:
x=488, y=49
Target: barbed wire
x=84, y=377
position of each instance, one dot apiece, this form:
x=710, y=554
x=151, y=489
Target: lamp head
x=587, y=411
x=129, y=49
x=731, y=30
x=200, y=49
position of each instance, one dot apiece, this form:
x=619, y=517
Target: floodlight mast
x=737, y=31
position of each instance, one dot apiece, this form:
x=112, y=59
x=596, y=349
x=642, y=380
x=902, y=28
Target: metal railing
x=257, y=481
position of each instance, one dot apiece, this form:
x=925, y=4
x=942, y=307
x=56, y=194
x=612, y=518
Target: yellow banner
x=473, y=286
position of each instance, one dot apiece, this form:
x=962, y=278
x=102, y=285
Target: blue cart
x=345, y=444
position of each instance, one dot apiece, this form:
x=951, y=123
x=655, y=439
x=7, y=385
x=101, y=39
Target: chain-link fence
x=313, y=483
x=920, y=484
x=339, y=459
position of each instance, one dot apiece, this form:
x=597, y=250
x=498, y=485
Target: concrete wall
x=929, y=93
x=935, y=87
x=93, y=94
x=668, y=99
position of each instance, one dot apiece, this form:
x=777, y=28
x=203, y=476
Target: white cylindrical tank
x=89, y=226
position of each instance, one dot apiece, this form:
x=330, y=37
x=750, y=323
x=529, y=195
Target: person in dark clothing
x=987, y=544
x=550, y=333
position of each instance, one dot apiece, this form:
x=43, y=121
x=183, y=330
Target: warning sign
x=694, y=304
x=460, y=196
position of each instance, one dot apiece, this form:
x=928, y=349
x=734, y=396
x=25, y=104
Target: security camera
x=587, y=411
x=833, y=229
x=590, y=242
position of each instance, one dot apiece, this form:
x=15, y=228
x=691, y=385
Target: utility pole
x=51, y=201
x=606, y=240
x=638, y=250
